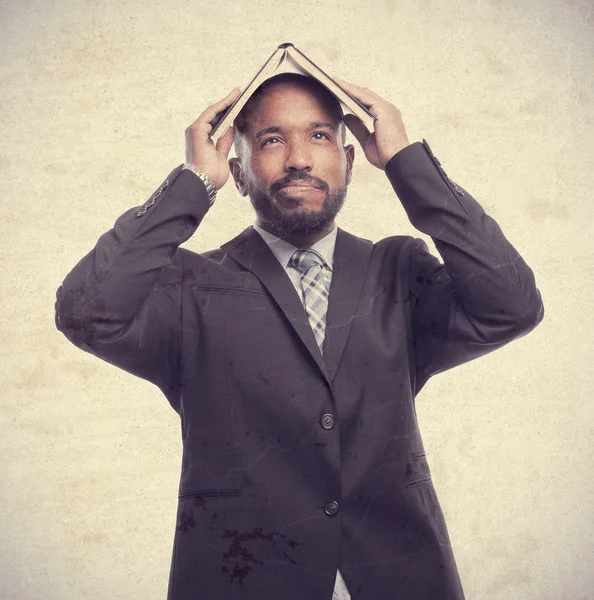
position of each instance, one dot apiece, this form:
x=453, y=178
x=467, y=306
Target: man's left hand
x=389, y=135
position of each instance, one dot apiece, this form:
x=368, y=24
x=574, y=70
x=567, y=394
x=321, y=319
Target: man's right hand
x=201, y=150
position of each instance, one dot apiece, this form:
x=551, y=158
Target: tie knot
x=305, y=259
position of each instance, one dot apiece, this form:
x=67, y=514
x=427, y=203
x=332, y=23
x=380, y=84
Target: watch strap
x=210, y=187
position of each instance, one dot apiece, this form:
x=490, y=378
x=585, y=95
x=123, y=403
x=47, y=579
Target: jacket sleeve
x=122, y=301
x=483, y=295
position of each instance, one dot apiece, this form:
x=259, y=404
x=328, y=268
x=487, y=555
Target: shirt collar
x=283, y=250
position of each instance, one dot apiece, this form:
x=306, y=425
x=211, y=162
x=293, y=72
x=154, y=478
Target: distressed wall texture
x=94, y=101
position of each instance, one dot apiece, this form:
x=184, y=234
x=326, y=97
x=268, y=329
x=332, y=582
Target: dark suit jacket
x=294, y=465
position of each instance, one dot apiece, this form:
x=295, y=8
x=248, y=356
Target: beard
x=288, y=222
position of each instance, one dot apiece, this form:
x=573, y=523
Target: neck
x=300, y=241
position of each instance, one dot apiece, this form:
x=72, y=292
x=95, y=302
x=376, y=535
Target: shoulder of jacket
x=216, y=255
x=182, y=260
x=395, y=242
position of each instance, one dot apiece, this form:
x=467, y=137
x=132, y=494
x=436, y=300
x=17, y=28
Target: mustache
x=300, y=177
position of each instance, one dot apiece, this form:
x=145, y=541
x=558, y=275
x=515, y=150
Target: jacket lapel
x=252, y=253
x=351, y=256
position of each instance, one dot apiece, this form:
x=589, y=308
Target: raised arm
x=122, y=301
x=484, y=294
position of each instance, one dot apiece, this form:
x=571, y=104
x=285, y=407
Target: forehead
x=290, y=106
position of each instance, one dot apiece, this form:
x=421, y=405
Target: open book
x=288, y=59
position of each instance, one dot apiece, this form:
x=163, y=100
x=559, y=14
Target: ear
x=238, y=176
x=349, y=151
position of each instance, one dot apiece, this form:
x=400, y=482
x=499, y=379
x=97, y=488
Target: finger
x=364, y=95
x=210, y=113
x=356, y=127
x=225, y=142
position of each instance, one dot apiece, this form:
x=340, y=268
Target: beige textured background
x=94, y=101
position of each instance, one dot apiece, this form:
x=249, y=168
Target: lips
x=300, y=191
x=305, y=184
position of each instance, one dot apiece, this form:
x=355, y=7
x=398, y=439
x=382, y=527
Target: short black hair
x=241, y=122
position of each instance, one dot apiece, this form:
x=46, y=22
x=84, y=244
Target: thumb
x=356, y=127
x=225, y=142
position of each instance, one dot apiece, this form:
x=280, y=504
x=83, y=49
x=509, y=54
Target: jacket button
x=331, y=508
x=458, y=189
x=327, y=421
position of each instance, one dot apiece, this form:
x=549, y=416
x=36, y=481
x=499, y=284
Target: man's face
x=293, y=138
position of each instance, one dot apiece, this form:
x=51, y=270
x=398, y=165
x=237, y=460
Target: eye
x=325, y=135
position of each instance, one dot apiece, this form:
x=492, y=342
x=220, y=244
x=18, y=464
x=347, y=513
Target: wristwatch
x=210, y=187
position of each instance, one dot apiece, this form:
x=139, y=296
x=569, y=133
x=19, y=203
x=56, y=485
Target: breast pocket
x=244, y=324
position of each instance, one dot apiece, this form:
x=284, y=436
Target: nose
x=298, y=156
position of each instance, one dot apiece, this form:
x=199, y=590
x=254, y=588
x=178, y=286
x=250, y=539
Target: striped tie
x=315, y=288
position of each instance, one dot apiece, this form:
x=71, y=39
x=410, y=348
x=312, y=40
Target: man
x=293, y=354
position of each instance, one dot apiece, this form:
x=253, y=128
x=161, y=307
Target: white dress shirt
x=283, y=251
